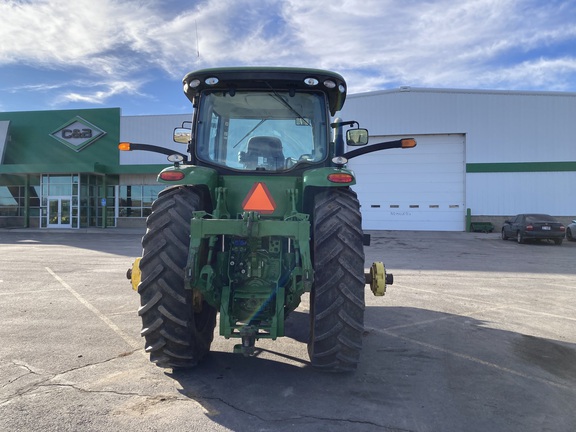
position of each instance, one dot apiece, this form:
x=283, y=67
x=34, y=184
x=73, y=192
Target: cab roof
x=262, y=78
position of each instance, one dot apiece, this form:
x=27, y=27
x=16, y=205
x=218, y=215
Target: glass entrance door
x=59, y=212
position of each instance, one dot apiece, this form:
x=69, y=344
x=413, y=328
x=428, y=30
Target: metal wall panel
x=499, y=126
x=155, y=130
x=506, y=194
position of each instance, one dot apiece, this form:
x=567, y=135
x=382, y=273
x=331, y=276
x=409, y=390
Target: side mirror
x=507, y=221
x=182, y=135
x=357, y=137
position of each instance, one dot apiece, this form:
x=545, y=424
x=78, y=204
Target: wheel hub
x=378, y=278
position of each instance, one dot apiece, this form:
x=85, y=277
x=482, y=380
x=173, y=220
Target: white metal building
x=497, y=153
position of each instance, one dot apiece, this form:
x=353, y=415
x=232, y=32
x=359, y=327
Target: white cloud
x=541, y=73
x=95, y=96
x=374, y=43
x=58, y=33
x=440, y=43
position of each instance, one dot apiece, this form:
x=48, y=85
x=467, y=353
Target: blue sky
x=132, y=54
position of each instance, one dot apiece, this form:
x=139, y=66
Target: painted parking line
x=487, y=302
x=473, y=359
x=95, y=311
x=30, y=292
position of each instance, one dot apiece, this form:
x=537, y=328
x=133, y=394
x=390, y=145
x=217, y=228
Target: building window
x=10, y=200
x=13, y=200
x=135, y=201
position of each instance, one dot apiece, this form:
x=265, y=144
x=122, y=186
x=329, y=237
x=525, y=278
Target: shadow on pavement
x=439, y=376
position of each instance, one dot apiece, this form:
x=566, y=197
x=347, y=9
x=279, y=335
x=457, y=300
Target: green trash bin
x=485, y=227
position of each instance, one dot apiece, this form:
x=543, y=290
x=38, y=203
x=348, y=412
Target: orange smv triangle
x=259, y=199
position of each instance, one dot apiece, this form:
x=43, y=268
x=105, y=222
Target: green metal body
x=253, y=266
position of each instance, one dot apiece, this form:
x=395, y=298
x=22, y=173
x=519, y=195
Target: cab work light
x=340, y=178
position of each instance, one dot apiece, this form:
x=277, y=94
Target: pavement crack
x=29, y=371
x=77, y=368
x=45, y=378
x=280, y=419
x=85, y=390
x=211, y=399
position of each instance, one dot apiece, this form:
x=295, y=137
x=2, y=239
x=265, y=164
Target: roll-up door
x=418, y=189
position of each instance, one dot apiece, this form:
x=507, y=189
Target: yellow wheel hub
x=134, y=274
x=378, y=279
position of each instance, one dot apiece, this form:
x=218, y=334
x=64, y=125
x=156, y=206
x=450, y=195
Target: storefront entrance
x=76, y=201
x=59, y=212
x=60, y=169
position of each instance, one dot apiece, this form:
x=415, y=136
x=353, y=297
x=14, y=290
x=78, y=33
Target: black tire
x=176, y=336
x=337, y=297
x=504, y=236
x=519, y=237
x=569, y=235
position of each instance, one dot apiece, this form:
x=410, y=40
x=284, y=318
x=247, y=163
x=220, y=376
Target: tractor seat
x=263, y=152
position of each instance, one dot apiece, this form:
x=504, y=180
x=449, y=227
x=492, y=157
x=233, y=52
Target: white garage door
x=418, y=189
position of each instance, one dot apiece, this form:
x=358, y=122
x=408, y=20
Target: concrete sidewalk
x=76, y=231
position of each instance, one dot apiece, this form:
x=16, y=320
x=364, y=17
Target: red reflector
x=259, y=199
x=340, y=178
x=172, y=175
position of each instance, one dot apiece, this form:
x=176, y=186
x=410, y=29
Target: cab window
x=270, y=131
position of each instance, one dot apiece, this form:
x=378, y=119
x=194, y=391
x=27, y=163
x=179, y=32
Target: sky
x=133, y=54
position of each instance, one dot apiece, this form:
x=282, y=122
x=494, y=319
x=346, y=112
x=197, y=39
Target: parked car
x=533, y=227
x=571, y=231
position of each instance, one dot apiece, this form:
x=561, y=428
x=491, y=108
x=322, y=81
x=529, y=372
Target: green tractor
x=257, y=212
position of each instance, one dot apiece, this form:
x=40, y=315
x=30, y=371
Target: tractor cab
x=268, y=120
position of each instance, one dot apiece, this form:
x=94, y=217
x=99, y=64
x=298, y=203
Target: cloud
x=96, y=96
x=375, y=44
x=541, y=73
x=440, y=43
x=56, y=33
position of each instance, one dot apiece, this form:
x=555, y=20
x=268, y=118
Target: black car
x=533, y=227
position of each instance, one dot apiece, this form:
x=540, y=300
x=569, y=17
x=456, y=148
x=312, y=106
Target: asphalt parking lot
x=476, y=334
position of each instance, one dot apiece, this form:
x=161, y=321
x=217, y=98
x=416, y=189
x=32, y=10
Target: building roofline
x=188, y=114
x=409, y=89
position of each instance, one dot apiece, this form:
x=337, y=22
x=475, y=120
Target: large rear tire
x=176, y=336
x=337, y=297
